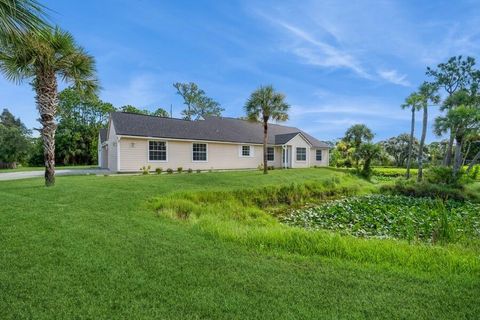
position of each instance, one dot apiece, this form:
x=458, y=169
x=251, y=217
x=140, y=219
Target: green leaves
x=399, y=217
x=20, y=16
x=266, y=104
x=197, y=103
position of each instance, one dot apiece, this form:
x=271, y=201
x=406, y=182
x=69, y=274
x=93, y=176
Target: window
x=199, y=152
x=318, y=155
x=301, y=154
x=157, y=151
x=245, y=151
x=270, y=154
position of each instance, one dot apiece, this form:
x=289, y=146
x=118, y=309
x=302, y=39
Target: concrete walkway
x=61, y=172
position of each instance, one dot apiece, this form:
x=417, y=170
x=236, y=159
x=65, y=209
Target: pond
x=398, y=217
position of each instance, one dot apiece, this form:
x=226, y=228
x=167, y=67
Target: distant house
x=132, y=141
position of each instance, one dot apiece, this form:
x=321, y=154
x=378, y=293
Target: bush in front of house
x=159, y=170
x=179, y=169
x=169, y=170
x=189, y=170
x=145, y=169
x=198, y=170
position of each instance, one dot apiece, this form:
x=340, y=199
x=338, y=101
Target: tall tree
x=400, y=148
x=463, y=120
x=20, y=16
x=79, y=118
x=132, y=109
x=44, y=57
x=160, y=112
x=266, y=104
x=456, y=74
x=428, y=96
x=14, y=140
x=198, y=105
x=368, y=152
x=355, y=136
x=412, y=102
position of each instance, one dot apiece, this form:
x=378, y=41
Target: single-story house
x=132, y=141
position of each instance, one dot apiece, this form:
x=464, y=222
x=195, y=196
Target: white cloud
x=394, y=77
x=320, y=53
x=140, y=91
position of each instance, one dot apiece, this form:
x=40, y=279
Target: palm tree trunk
x=448, y=155
x=474, y=160
x=466, y=153
x=410, y=144
x=265, y=135
x=422, y=142
x=457, y=162
x=47, y=101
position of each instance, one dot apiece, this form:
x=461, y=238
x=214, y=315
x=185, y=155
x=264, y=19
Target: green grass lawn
x=21, y=168
x=94, y=247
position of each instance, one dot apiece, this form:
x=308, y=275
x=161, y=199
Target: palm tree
x=18, y=16
x=266, y=104
x=465, y=121
x=43, y=56
x=427, y=94
x=355, y=136
x=413, y=103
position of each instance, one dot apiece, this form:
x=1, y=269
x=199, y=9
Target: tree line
x=78, y=119
x=453, y=88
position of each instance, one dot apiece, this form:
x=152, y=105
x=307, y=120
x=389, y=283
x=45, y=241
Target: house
x=132, y=141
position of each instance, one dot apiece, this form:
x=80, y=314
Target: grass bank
x=91, y=247
x=246, y=216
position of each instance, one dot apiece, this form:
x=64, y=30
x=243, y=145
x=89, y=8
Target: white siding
x=134, y=155
x=112, y=148
x=313, y=158
x=299, y=141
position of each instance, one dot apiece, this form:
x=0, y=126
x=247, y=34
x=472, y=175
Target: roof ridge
x=152, y=116
x=246, y=120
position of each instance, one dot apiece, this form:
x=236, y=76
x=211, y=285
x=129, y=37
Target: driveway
x=61, y=172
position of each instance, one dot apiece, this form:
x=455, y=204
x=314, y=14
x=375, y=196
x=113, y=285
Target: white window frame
x=321, y=155
x=251, y=151
x=296, y=154
x=206, y=151
x=166, y=150
x=273, y=154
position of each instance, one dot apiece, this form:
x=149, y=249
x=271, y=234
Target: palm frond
x=19, y=16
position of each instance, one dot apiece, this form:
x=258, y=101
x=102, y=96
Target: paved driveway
x=61, y=172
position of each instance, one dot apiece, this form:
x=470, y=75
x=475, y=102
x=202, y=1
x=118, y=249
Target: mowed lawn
x=92, y=247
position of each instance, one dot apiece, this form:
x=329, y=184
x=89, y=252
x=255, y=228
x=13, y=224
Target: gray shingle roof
x=284, y=138
x=103, y=135
x=211, y=129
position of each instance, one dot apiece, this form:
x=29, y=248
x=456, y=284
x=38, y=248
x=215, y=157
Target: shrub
x=179, y=169
x=189, y=170
x=426, y=189
x=158, y=170
x=198, y=170
x=145, y=169
x=474, y=174
x=271, y=168
x=169, y=170
x=441, y=175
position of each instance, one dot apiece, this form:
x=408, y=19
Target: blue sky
x=338, y=62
